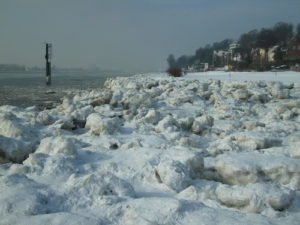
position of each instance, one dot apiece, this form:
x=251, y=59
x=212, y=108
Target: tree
x=204, y=54
x=298, y=31
x=278, y=56
x=171, y=60
x=247, y=42
x=266, y=38
x=222, y=45
x=283, y=32
x=182, y=61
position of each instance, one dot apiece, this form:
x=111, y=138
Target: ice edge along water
x=156, y=150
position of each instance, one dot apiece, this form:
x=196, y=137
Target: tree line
x=278, y=35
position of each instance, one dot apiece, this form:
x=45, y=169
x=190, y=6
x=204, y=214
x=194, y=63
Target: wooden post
x=48, y=64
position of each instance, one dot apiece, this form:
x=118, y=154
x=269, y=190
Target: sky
x=128, y=35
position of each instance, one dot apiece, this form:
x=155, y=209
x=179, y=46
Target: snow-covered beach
x=208, y=148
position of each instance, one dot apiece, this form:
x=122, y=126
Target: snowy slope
x=157, y=150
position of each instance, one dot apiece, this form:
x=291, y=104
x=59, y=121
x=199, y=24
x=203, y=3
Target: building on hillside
x=259, y=58
x=234, y=50
x=293, y=52
x=221, y=58
x=227, y=58
x=271, y=53
x=233, y=47
x=198, y=67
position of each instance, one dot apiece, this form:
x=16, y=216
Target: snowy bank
x=156, y=150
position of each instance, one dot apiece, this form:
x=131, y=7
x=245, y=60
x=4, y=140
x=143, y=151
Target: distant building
x=227, y=58
x=293, y=51
x=198, y=67
x=221, y=58
x=259, y=58
x=12, y=68
x=234, y=50
x=233, y=46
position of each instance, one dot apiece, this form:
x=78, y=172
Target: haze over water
x=26, y=89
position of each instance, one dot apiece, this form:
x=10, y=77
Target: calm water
x=27, y=89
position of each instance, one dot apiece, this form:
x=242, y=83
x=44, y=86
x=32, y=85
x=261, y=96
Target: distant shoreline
x=29, y=89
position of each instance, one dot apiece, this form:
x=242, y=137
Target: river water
x=28, y=89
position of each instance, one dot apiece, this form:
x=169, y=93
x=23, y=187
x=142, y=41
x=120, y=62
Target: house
x=221, y=58
x=293, y=52
x=271, y=53
x=233, y=46
x=198, y=67
x=259, y=58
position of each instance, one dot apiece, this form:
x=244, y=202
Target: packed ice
x=151, y=149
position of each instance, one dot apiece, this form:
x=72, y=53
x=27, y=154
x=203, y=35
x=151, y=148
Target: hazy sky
x=128, y=35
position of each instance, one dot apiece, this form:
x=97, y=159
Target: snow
x=210, y=148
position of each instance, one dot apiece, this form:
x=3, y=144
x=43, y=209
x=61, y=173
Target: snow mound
x=174, y=174
x=167, y=124
x=57, y=165
x=252, y=167
x=23, y=196
x=152, y=116
x=149, y=211
x=57, y=145
x=52, y=218
x=45, y=118
x=14, y=127
x=269, y=200
x=278, y=90
x=255, y=198
x=86, y=190
x=255, y=140
x=101, y=125
x=202, y=123
x=14, y=150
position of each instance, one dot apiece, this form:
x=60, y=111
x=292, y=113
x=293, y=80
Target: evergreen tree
x=266, y=39
x=298, y=31
x=283, y=32
x=182, y=61
x=171, y=61
x=247, y=42
x=278, y=56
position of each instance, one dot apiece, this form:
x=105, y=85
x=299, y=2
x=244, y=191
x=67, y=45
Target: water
x=27, y=89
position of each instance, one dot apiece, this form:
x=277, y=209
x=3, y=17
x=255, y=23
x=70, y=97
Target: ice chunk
x=149, y=211
x=241, y=94
x=14, y=150
x=23, y=196
x=167, y=124
x=153, y=116
x=277, y=90
x=255, y=140
x=57, y=145
x=174, y=174
x=86, y=190
x=202, y=123
x=11, y=126
x=244, y=168
x=101, y=125
x=45, y=118
x=255, y=197
x=223, y=145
